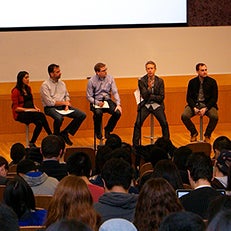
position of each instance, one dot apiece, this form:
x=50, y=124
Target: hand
x=196, y=111
x=202, y=111
x=37, y=109
x=118, y=107
x=101, y=103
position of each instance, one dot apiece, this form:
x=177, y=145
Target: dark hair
x=150, y=62
x=200, y=166
x=166, y=144
x=79, y=164
x=20, y=84
x=19, y=196
x=51, y=67
x=198, y=65
x=3, y=161
x=98, y=66
x=8, y=218
x=122, y=153
x=180, y=157
x=113, y=141
x=168, y=170
x=222, y=142
x=52, y=146
x=182, y=221
x=17, y=152
x=117, y=172
x=68, y=225
x=25, y=166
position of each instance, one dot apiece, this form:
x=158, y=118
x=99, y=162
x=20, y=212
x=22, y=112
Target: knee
x=117, y=114
x=184, y=117
x=59, y=119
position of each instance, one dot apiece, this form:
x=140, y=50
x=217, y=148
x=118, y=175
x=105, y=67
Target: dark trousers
x=98, y=114
x=77, y=115
x=37, y=118
x=189, y=113
x=142, y=114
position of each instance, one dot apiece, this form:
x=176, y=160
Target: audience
x=8, y=219
x=166, y=144
x=156, y=200
x=39, y=182
x=19, y=196
x=113, y=141
x=79, y=164
x=220, y=143
x=200, y=173
x=17, y=153
x=182, y=221
x=116, y=202
x=52, y=148
x=4, y=168
x=72, y=200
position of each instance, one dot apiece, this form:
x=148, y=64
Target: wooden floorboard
x=84, y=138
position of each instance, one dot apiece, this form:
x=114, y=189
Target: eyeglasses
x=103, y=70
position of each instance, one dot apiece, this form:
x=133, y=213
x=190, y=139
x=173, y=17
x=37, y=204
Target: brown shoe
x=194, y=137
x=207, y=139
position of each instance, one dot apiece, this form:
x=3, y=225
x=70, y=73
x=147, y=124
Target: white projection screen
x=36, y=14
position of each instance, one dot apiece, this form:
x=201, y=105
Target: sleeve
x=115, y=92
x=46, y=95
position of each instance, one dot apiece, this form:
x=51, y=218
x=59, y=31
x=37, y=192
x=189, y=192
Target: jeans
x=77, y=115
x=211, y=114
x=142, y=114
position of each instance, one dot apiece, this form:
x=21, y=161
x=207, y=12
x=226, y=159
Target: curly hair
x=72, y=200
x=156, y=200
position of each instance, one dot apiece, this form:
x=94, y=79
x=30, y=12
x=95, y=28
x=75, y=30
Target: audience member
x=182, y=221
x=72, y=200
x=117, y=224
x=79, y=164
x=19, y=196
x=166, y=144
x=222, y=221
x=8, y=219
x=4, y=168
x=116, y=202
x=39, y=182
x=17, y=153
x=220, y=143
x=222, y=168
x=167, y=169
x=156, y=200
x=52, y=148
x=113, y=141
x=180, y=156
x=200, y=173
x=68, y=225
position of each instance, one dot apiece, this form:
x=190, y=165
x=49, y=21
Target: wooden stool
x=151, y=137
x=201, y=129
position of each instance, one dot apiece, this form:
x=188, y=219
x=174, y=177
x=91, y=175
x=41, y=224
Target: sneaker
x=65, y=137
x=207, y=139
x=194, y=137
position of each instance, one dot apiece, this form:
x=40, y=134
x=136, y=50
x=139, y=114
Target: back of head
x=17, y=152
x=221, y=142
x=8, y=219
x=25, y=166
x=117, y=224
x=19, y=196
x=200, y=166
x=182, y=221
x=113, y=141
x=168, y=170
x=224, y=161
x=165, y=144
x=180, y=157
x=52, y=146
x=68, y=225
x=4, y=162
x=122, y=153
x=79, y=164
x=117, y=172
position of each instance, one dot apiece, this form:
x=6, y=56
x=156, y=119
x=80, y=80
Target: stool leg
x=152, y=129
x=201, y=128
x=27, y=135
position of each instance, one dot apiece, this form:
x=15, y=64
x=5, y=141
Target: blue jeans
x=77, y=115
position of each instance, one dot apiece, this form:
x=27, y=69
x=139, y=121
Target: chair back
x=2, y=189
x=200, y=147
x=31, y=228
x=42, y=201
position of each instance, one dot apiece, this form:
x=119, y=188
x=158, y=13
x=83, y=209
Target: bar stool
x=151, y=137
x=201, y=129
x=27, y=135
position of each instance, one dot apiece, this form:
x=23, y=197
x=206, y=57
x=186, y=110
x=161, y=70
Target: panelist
x=151, y=89
x=99, y=90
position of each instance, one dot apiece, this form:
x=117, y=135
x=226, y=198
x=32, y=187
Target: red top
x=96, y=191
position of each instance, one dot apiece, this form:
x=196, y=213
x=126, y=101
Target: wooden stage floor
x=84, y=138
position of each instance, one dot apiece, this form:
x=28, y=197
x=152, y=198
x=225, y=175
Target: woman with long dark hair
x=23, y=107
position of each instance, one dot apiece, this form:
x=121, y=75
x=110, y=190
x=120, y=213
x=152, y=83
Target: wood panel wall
x=175, y=94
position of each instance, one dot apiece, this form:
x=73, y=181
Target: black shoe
x=107, y=134
x=66, y=139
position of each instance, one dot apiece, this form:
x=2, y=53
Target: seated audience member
x=222, y=221
x=72, y=200
x=113, y=141
x=180, y=156
x=17, y=153
x=222, y=167
x=200, y=173
x=221, y=203
x=167, y=169
x=182, y=221
x=220, y=143
x=52, y=148
x=4, y=168
x=68, y=225
x=116, y=202
x=8, y=219
x=39, y=182
x=117, y=224
x=156, y=200
x=166, y=144
x=19, y=196
x=79, y=164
